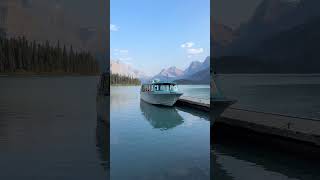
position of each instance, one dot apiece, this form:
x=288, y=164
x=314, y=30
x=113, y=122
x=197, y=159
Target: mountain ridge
x=189, y=74
x=281, y=37
x=121, y=68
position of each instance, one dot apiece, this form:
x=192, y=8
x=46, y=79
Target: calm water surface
x=290, y=94
x=155, y=142
x=297, y=95
x=50, y=129
x=196, y=91
x=243, y=161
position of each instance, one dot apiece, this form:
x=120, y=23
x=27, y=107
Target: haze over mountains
x=281, y=37
x=202, y=69
x=121, y=68
x=196, y=73
x=80, y=23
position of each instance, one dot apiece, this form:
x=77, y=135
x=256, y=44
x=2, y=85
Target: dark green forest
x=18, y=55
x=116, y=79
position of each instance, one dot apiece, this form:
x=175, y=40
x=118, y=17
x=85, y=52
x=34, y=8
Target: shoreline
x=125, y=84
x=45, y=74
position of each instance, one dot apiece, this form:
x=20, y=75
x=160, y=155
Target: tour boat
x=160, y=93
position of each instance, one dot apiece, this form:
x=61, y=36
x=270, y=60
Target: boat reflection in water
x=102, y=131
x=229, y=162
x=161, y=117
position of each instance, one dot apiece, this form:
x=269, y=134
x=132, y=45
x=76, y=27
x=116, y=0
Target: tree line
x=117, y=79
x=20, y=55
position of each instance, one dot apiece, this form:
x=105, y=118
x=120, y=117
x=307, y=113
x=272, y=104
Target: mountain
x=221, y=36
x=282, y=36
x=200, y=77
x=197, y=72
x=296, y=49
x=121, y=68
x=271, y=16
x=193, y=67
x=221, y=33
x=291, y=51
x=54, y=20
x=169, y=74
x=196, y=66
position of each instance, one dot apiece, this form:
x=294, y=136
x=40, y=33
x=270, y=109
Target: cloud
x=190, y=50
x=114, y=27
x=122, y=55
x=187, y=45
x=125, y=59
x=195, y=51
x=123, y=51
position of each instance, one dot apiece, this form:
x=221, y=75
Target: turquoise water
x=52, y=128
x=155, y=142
x=196, y=91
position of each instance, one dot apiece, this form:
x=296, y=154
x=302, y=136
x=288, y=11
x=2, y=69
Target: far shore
x=125, y=84
x=26, y=74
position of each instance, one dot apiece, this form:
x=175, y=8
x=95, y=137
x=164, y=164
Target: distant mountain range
x=222, y=36
x=281, y=37
x=121, y=68
x=196, y=73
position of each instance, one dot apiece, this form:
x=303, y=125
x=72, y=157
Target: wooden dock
x=289, y=128
x=295, y=128
x=196, y=103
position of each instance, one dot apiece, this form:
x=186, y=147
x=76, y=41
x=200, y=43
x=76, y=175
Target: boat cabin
x=159, y=87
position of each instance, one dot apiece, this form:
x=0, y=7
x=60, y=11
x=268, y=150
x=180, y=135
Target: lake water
x=155, y=142
x=50, y=129
x=53, y=128
x=295, y=95
x=238, y=159
x=196, y=91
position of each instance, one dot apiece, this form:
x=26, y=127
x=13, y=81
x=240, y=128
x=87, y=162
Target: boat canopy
x=160, y=86
x=164, y=83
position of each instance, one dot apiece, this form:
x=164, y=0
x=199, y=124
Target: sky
x=233, y=12
x=155, y=34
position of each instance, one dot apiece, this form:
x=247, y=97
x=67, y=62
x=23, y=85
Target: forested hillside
x=116, y=79
x=18, y=55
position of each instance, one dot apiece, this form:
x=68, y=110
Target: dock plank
x=302, y=129
x=194, y=103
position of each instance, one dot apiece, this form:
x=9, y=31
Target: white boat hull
x=166, y=99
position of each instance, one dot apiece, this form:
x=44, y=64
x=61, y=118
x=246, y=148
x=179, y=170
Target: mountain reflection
x=161, y=117
x=102, y=131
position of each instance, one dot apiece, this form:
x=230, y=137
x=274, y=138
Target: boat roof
x=164, y=83
x=161, y=83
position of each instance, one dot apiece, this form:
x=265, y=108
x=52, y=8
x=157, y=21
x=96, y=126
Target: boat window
x=143, y=88
x=156, y=87
x=164, y=88
x=173, y=87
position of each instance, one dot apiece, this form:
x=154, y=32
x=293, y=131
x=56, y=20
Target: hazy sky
x=233, y=12
x=156, y=34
